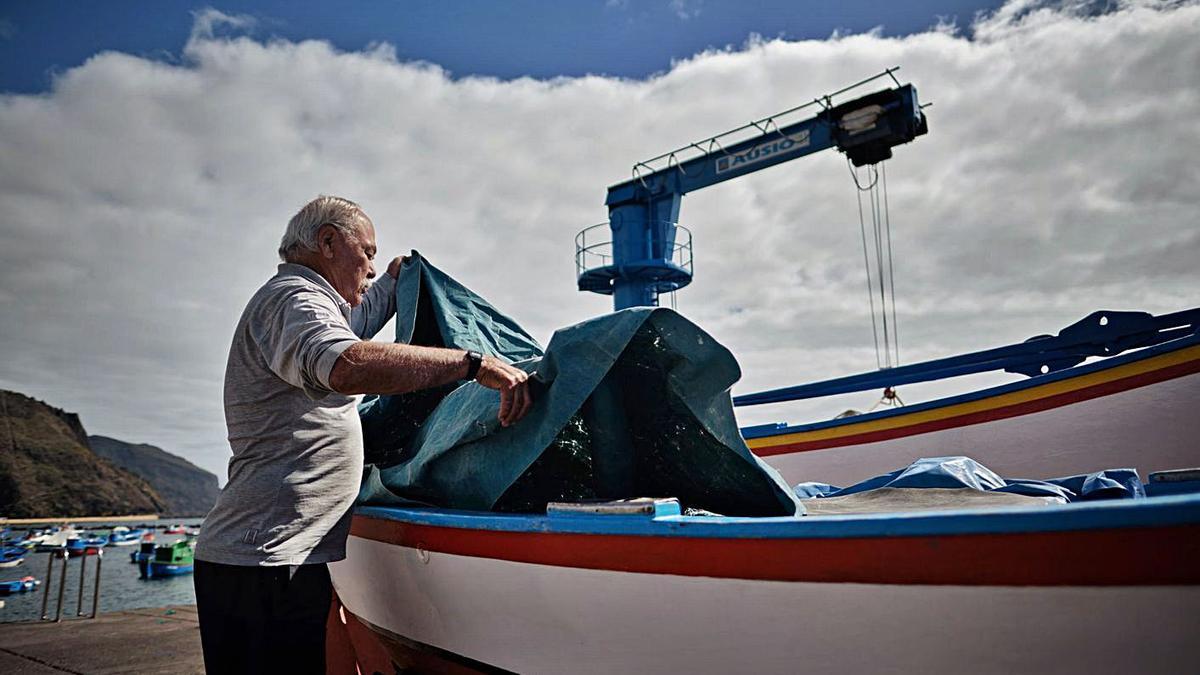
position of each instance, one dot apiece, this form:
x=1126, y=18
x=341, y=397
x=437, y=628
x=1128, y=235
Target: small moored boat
x=168, y=561
x=85, y=545
x=11, y=556
x=55, y=540
x=145, y=551
x=123, y=536
x=21, y=585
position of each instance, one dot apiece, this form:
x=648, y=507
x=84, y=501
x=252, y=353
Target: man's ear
x=325, y=236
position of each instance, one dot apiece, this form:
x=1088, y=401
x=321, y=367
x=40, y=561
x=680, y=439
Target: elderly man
x=300, y=353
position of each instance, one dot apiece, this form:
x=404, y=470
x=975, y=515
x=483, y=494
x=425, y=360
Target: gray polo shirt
x=297, y=445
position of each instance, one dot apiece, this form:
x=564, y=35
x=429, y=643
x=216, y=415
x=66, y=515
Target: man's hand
x=394, y=266
x=513, y=385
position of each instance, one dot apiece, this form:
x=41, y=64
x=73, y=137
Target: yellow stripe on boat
x=1047, y=390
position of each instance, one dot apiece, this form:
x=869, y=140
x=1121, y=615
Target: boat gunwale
x=1161, y=511
x=760, y=433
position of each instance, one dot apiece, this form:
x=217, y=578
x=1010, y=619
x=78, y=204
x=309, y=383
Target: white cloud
x=143, y=201
x=208, y=23
x=685, y=9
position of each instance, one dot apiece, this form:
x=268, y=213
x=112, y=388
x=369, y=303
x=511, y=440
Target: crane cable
x=878, y=254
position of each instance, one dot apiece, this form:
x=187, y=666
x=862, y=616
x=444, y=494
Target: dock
x=90, y=520
x=152, y=640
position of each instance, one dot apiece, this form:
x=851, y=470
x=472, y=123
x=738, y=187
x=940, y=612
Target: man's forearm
x=387, y=368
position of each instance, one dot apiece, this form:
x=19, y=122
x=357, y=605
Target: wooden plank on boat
x=1175, y=476
x=640, y=506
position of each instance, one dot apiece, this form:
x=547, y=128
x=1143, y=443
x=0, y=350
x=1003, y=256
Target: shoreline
x=83, y=519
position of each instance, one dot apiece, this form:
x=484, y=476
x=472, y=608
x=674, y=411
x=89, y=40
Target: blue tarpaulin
x=629, y=404
x=964, y=472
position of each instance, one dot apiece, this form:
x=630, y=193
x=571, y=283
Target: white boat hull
x=1081, y=588
x=1104, y=420
x=549, y=619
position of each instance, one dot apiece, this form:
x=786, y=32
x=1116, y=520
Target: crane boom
x=644, y=210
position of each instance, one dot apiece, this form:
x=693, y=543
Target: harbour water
x=121, y=587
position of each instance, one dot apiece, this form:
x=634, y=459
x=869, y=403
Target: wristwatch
x=474, y=360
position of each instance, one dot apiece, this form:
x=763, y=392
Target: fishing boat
x=941, y=581
x=175, y=529
x=11, y=556
x=169, y=560
x=1128, y=405
x=31, y=539
x=641, y=588
x=928, y=580
x=85, y=545
x=145, y=552
x=21, y=585
x=56, y=540
x=123, y=536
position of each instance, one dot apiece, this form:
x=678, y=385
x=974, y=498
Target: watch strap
x=474, y=361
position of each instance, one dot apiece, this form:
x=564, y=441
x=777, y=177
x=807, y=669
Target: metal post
x=62, y=586
x=96, y=588
x=82, y=571
x=46, y=590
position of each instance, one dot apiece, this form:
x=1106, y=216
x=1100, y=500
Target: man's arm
x=378, y=304
x=382, y=368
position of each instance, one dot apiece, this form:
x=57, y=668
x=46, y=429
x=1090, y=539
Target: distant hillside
x=47, y=468
x=187, y=489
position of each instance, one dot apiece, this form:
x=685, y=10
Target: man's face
x=350, y=264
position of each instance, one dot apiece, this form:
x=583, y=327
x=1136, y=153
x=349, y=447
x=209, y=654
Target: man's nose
x=370, y=270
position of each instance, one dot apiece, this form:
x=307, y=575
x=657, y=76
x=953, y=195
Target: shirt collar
x=293, y=269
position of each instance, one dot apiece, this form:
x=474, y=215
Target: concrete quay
x=153, y=640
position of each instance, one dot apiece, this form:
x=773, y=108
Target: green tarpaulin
x=630, y=404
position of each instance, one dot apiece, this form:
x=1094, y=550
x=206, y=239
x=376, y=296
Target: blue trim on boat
x=776, y=429
x=1104, y=333
x=1150, y=512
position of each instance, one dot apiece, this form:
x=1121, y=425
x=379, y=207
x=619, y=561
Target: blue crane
x=643, y=258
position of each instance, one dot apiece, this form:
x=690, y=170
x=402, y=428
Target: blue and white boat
x=31, y=539
x=123, y=536
x=56, y=539
x=1089, y=587
x=11, y=556
x=85, y=545
x=909, y=580
x=22, y=585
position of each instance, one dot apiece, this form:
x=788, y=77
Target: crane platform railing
x=773, y=123
x=595, y=263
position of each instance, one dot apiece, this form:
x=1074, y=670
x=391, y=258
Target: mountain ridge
x=48, y=469
x=187, y=489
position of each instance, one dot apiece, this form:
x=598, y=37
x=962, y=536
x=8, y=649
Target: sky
x=509, y=39
x=154, y=152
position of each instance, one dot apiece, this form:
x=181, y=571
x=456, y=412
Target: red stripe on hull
x=1015, y=410
x=1115, y=557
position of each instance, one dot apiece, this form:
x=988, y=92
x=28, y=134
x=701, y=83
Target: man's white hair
x=301, y=234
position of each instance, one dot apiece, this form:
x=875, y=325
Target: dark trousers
x=262, y=619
